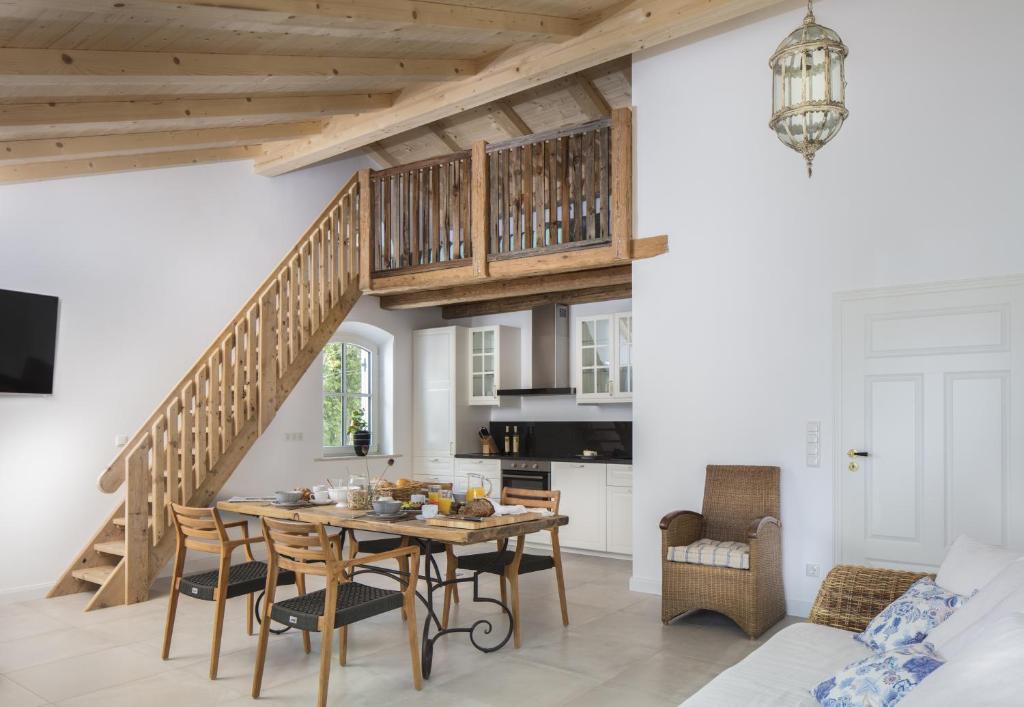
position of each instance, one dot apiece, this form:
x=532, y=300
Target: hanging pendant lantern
x=809, y=87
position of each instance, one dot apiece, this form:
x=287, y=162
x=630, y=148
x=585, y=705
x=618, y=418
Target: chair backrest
x=199, y=528
x=735, y=496
x=300, y=546
x=530, y=498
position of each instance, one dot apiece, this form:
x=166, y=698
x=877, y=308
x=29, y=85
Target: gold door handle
x=855, y=453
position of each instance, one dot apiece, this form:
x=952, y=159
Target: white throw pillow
x=987, y=673
x=970, y=565
x=948, y=637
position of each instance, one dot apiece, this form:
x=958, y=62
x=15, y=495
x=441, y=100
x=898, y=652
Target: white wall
x=148, y=267
x=734, y=325
x=558, y=407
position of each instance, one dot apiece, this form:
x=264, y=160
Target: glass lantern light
x=809, y=87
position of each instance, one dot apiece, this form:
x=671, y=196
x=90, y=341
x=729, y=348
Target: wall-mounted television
x=28, y=342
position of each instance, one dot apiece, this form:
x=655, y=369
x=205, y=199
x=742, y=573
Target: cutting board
x=491, y=522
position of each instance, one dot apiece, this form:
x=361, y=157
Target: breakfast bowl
x=386, y=507
x=287, y=496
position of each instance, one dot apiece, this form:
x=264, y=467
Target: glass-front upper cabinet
x=604, y=358
x=493, y=363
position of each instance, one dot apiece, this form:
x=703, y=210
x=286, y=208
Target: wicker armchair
x=741, y=503
x=851, y=595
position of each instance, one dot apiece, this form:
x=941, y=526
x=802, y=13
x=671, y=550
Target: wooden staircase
x=201, y=431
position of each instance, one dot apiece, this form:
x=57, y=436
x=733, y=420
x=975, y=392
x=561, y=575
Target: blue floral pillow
x=909, y=619
x=878, y=680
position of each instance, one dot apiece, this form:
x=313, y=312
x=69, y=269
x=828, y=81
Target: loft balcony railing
x=541, y=193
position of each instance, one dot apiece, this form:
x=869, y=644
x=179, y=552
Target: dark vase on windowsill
x=361, y=442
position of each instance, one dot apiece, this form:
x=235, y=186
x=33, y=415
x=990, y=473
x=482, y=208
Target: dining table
x=427, y=535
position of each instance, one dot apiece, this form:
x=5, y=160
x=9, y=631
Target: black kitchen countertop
x=527, y=458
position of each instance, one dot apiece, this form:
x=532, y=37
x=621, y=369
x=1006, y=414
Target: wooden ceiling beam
x=521, y=287
x=379, y=154
x=49, y=149
x=445, y=138
x=36, y=171
x=60, y=66
x=284, y=107
x=282, y=16
x=587, y=96
x=507, y=120
x=629, y=27
x=518, y=304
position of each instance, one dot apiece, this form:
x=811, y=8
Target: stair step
x=96, y=575
x=112, y=547
x=119, y=522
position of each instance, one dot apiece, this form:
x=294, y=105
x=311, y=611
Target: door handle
x=855, y=453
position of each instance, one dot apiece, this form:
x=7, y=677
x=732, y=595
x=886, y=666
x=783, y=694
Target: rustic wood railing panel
x=550, y=190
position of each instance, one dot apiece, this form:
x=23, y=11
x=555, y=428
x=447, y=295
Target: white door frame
x=838, y=300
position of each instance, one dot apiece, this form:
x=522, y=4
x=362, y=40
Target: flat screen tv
x=28, y=340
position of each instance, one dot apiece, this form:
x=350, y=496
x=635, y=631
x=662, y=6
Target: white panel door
x=583, y=500
x=433, y=392
x=929, y=383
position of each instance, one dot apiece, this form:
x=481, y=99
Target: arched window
x=349, y=394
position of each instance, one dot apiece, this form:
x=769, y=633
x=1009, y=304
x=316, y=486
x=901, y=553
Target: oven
x=526, y=474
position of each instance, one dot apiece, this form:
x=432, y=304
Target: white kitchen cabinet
x=620, y=520
x=604, y=358
x=493, y=363
x=443, y=421
x=584, y=500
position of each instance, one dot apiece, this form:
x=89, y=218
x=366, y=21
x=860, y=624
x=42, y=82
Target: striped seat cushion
x=717, y=553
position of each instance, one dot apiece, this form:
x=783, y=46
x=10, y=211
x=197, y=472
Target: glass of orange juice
x=433, y=493
x=444, y=502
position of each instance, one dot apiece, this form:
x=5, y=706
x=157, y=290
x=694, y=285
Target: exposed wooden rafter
x=511, y=289
x=588, y=97
x=323, y=15
x=54, y=66
x=517, y=304
x=507, y=120
x=379, y=154
x=272, y=107
x=629, y=27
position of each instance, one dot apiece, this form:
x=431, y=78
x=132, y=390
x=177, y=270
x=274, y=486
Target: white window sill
x=353, y=457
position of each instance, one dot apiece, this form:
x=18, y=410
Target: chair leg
x=342, y=645
x=517, y=636
x=326, y=642
x=414, y=652
x=560, y=580
x=504, y=588
x=261, y=646
x=250, y=599
x=300, y=584
x=221, y=601
x=172, y=603
x=403, y=568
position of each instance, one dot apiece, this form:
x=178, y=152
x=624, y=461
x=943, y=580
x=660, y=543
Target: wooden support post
x=622, y=181
x=365, y=229
x=267, y=358
x=481, y=221
x=136, y=530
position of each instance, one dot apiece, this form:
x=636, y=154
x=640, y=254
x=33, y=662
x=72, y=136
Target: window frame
x=348, y=450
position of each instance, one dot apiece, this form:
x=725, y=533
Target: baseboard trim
x=798, y=607
x=645, y=585
x=25, y=593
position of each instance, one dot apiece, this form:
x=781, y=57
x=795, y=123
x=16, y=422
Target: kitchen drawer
x=620, y=475
x=432, y=478
x=491, y=468
x=433, y=466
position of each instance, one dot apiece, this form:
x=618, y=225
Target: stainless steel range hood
x=550, y=353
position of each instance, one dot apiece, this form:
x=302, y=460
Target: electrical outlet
x=120, y=440
x=813, y=570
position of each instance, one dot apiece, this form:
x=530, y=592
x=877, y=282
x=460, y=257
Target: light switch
x=812, y=442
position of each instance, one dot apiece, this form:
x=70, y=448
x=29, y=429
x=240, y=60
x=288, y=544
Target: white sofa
x=982, y=643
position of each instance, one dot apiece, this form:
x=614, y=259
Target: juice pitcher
x=477, y=486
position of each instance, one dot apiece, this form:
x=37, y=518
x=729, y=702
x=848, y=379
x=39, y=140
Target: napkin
x=500, y=510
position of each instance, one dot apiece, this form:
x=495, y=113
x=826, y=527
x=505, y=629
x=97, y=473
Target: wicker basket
x=402, y=493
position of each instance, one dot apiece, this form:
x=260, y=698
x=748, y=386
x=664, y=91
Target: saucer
x=298, y=504
x=315, y=502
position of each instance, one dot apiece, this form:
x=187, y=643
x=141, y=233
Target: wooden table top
x=358, y=520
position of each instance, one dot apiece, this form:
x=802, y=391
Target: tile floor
x=615, y=652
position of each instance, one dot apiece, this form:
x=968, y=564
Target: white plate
x=321, y=503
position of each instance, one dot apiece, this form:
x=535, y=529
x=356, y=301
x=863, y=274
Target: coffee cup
x=429, y=510
x=321, y=496
x=287, y=496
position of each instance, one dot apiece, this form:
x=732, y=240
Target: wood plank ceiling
x=93, y=86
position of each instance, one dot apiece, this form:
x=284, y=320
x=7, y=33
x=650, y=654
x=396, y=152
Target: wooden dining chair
x=502, y=561
x=305, y=548
x=202, y=530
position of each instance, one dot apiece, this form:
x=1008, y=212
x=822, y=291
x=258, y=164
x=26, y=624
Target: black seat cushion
x=495, y=562
x=355, y=602
x=372, y=547
x=246, y=578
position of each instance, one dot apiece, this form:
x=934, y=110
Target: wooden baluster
x=313, y=248
x=238, y=381
x=590, y=183
x=511, y=199
x=528, y=227
x=267, y=362
x=330, y=243
x=577, y=168
x=284, y=347
x=434, y=236
x=538, y=198
x=322, y=243
x=252, y=348
x=227, y=395
x=365, y=230
x=445, y=192
x=174, y=459
x=213, y=411
x=302, y=289
x=414, y=216
x=343, y=262
x=492, y=210
x=455, y=211
x=603, y=137
x=563, y=186
x=158, y=481
x=552, y=166
x=622, y=181
x=202, y=448
x=185, y=435
x=292, y=305
x=480, y=220
x=136, y=522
